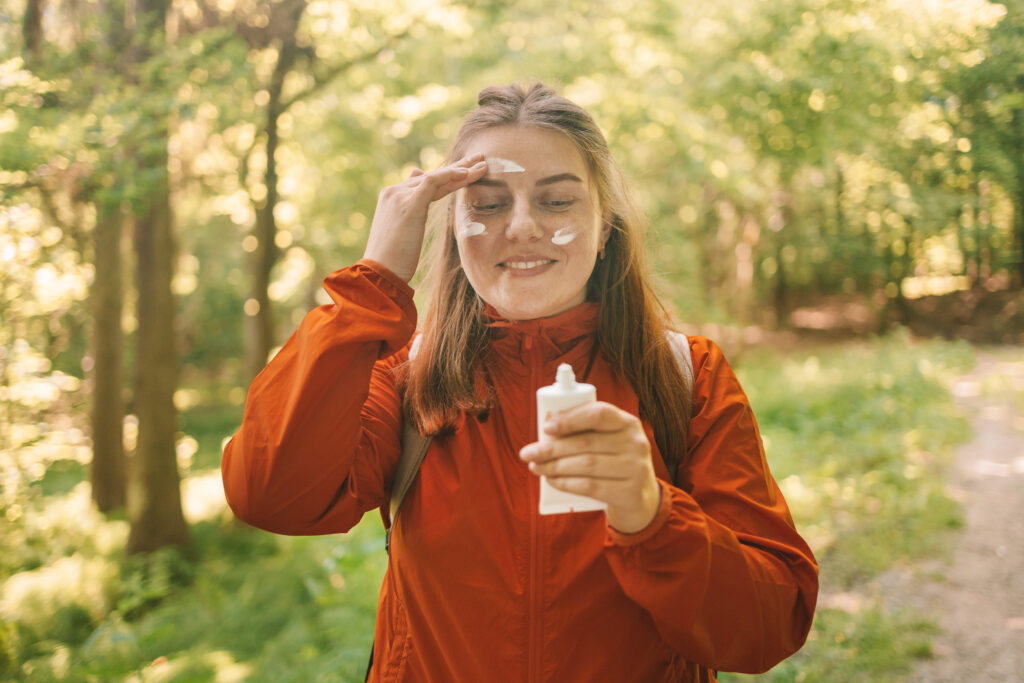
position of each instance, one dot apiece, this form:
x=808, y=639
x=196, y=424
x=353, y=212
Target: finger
x=537, y=450
x=459, y=181
x=624, y=442
x=416, y=172
x=469, y=160
x=473, y=164
x=455, y=170
x=610, y=467
x=598, y=416
x=606, y=491
x=619, y=443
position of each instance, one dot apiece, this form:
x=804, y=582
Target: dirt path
x=979, y=597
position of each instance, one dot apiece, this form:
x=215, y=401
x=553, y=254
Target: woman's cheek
x=470, y=228
x=564, y=236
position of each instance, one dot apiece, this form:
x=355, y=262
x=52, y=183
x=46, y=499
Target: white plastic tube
x=565, y=393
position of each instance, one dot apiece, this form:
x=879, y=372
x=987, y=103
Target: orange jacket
x=479, y=587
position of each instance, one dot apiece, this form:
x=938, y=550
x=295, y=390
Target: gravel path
x=978, y=598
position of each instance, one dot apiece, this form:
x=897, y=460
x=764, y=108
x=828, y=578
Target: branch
x=325, y=79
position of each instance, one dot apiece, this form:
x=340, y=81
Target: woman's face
x=529, y=231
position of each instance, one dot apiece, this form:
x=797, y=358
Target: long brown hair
x=445, y=379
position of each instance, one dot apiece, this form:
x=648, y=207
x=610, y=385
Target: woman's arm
x=716, y=560
x=320, y=433
x=721, y=568
x=320, y=436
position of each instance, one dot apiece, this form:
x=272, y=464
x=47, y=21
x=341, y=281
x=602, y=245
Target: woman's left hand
x=600, y=451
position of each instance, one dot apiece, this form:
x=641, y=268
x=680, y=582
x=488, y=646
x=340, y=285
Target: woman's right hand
x=399, y=222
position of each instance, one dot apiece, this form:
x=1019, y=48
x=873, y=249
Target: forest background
x=176, y=178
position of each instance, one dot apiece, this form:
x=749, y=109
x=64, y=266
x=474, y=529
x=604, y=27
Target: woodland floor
x=978, y=595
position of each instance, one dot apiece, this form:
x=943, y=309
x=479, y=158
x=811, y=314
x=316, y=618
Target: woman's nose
x=522, y=225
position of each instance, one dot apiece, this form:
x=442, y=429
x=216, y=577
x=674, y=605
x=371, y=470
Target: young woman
x=695, y=565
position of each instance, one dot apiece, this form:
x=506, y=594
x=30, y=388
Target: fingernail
x=526, y=452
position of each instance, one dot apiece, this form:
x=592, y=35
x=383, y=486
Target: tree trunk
x=781, y=291
x=1017, y=128
x=261, y=337
x=154, y=500
x=32, y=28
x=154, y=497
x=260, y=321
x=107, y=470
x=705, y=229
x=1018, y=215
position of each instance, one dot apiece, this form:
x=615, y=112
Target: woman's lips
x=524, y=265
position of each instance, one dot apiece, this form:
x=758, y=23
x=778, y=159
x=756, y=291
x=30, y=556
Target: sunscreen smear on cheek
x=565, y=393
x=471, y=229
x=563, y=236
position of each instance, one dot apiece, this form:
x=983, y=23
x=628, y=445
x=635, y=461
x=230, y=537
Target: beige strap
x=414, y=447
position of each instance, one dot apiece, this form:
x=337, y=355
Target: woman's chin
x=519, y=311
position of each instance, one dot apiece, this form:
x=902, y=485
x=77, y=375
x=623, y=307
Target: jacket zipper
x=535, y=610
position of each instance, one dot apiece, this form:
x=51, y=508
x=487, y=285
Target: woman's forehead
x=527, y=150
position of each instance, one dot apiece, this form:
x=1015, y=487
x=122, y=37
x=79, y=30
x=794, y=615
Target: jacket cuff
x=400, y=285
x=618, y=538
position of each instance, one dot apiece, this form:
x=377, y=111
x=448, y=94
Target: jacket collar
x=554, y=336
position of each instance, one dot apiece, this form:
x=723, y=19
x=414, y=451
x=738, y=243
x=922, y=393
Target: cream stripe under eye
x=472, y=229
x=563, y=236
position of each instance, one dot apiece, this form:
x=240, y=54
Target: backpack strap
x=414, y=444
x=414, y=447
x=681, y=350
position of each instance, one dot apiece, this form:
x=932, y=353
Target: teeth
x=525, y=265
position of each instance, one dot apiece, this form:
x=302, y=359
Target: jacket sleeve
x=723, y=572
x=320, y=434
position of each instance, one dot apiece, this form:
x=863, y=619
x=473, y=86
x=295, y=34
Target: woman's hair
x=446, y=378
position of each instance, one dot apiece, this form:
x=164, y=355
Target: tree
x=154, y=499
x=107, y=471
x=989, y=92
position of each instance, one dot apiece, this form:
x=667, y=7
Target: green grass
x=858, y=436
x=869, y=647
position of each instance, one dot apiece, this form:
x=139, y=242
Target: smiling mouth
x=526, y=265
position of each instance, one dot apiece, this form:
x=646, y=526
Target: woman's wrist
x=637, y=518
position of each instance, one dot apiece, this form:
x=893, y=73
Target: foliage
x=779, y=149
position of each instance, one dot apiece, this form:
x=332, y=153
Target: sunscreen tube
x=565, y=393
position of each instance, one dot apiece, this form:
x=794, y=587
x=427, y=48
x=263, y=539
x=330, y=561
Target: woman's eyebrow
x=487, y=181
x=551, y=179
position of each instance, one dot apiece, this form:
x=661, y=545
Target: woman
x=695, y=566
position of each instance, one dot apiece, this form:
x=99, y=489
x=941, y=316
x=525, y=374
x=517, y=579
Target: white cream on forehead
x=471, y=229
x=499, y=165
x=563, y=236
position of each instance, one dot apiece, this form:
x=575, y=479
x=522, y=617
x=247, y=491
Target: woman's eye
x=486, y=208
x=559, y=204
